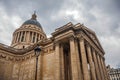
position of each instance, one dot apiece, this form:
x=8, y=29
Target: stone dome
x=28, y=34
x=33, y=21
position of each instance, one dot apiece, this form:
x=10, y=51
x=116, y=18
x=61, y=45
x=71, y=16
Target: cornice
x=93, y=45
x=29, y=29
x=99, y=45
x=25, y=50
x=64, y=32
x=15, y=58
x=62, y=29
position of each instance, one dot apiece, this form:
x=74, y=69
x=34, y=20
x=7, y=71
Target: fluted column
x=84, y=60
x=92, y=69
x=18, y=37
x=28, y=37
x=73, y=57
x=100, y=68
x=104, y=73
x=14, y=38
x=35, y=38
x=38, y=37
x=108, y=78
x=25, y=36
x=32, y=36
x=96, y=65
x=21, y=36
x=62, y=63
x=79, y=63
x=57, y=61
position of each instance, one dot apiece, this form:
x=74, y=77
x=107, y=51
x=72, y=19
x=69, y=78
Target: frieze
x=15, y=58
x=93, y=37
x=89, y=42
x=93, y=45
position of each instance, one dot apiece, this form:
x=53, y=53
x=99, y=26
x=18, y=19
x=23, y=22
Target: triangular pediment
x=91, y=34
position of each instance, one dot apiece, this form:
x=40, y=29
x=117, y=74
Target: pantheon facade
x=73, y=52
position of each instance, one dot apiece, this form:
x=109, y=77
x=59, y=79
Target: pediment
x=94, y=38
x=91, y=34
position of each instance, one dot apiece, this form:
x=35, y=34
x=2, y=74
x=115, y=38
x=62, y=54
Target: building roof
x=33, y=21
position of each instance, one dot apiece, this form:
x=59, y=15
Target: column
x=57, y=61
x=84, y=60
x=35, y=37
x=38, y=37
x=92, y=69
x=62, y=63
x=32, y=37
x=21, y=36
x=73, y=57
x=25, y=36
x=100, y=68
x=17, y=39
x=28, y=37
x=104, y=73
x=14, y=38
x=106, y=70
x=96, y=65
x=79, y=64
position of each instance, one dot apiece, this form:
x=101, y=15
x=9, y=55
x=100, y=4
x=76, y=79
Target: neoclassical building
x=72, y=53
x=114, y=74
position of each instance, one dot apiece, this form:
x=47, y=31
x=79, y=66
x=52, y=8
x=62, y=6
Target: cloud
x=111, y=46
x=7, y=25
x=102, y=16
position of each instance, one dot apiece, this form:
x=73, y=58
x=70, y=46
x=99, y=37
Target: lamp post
x=37, y=53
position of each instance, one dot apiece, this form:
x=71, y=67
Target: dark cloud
x=102, y=16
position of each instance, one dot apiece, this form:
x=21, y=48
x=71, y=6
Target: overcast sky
x=102, y=16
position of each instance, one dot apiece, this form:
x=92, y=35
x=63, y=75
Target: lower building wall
x=25, y=70
x=6, y=70
x=48, y=67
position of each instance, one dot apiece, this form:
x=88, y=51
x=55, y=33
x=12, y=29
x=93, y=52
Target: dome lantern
x=34, y=16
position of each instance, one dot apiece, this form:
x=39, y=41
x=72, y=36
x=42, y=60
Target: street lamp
x=37, y=53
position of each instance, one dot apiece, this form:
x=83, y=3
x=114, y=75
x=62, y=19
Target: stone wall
x=25, y=69
x=6, y=70
x=48, y=66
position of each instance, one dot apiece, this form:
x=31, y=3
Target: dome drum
x=29, y=33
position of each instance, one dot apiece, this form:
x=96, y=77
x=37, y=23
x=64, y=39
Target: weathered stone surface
x=64, y=56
